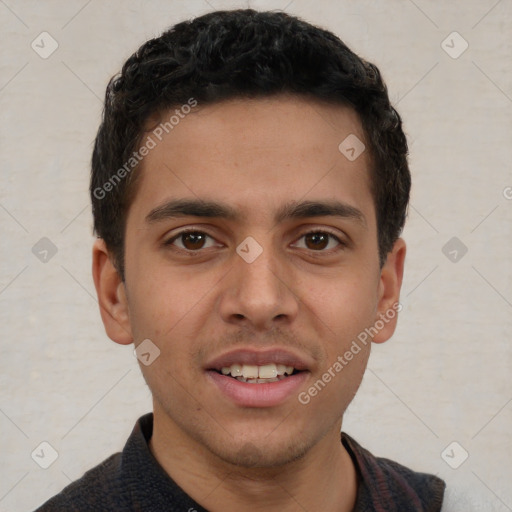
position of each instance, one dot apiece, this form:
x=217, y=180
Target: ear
x=111, y=295
x=390, y=283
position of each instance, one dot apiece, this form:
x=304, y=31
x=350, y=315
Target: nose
x=259, y=294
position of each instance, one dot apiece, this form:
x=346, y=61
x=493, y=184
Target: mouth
x=258, y=374
x=250, y=378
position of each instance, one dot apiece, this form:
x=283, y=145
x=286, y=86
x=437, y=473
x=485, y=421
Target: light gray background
x=446, y=374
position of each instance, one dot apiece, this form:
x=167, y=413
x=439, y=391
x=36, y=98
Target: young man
x=249, y=186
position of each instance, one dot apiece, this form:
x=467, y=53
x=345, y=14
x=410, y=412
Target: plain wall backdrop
x=444, y=377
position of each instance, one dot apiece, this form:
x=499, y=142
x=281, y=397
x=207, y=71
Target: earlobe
x=389, y=292
x=111, y=295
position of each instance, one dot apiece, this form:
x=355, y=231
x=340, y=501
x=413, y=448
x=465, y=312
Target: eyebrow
x=294, y=210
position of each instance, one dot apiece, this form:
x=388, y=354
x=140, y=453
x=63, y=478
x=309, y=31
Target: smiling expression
x=251, y=246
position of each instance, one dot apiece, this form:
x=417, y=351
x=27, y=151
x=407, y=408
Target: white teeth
x=250, y=371
x=268, y=371
x=257, y=381
x=236, y=370
x=253, y=373
x=281, y=369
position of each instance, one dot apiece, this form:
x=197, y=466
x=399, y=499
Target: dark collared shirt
x=132, y=480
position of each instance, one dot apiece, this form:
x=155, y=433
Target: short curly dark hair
x=244, y=53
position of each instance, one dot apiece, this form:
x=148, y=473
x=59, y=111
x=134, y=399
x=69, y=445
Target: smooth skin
x=195, y=298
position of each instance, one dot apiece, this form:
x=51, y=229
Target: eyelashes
x=197, y=241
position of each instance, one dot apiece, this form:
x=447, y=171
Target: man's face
x=209, y=299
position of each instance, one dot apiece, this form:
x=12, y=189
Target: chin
x=261, y=454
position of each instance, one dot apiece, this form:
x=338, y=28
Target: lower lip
x=258, y=395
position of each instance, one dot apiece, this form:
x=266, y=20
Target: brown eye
x=318, y=241
x=191, y=240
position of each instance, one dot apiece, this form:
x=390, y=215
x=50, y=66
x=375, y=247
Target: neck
x=323, y=479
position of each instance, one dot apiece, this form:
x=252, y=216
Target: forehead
x=255, y=152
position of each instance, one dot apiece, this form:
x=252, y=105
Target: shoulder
x=427, y=488
x=384, y=481
x=100, y=488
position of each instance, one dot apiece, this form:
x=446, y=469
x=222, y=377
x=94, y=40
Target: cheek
x=344, y=304
x=170, y=311
x=162, y=301
x=329, y=394
x=171, y=324
x=341, y=311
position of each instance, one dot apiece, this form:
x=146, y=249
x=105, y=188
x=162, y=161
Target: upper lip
x=259, y=358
